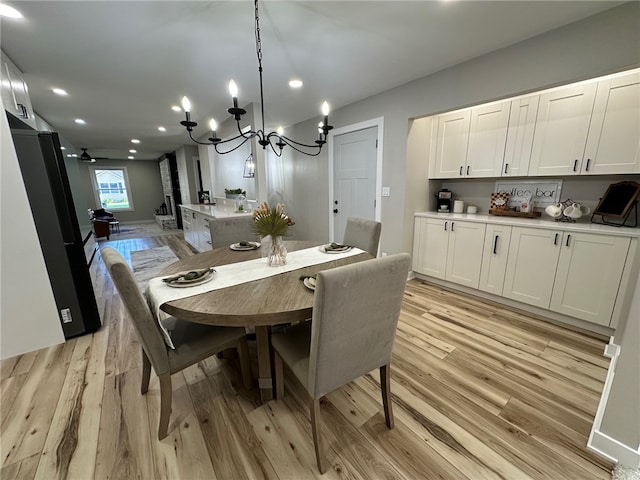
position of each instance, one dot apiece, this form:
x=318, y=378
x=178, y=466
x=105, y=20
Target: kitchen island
x=196, y=217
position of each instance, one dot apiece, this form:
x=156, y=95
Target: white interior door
x=354, y=177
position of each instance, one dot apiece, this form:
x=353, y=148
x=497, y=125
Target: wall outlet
x=383, y=254
x=386, y=191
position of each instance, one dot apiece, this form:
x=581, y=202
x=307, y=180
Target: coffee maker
x=444, y=201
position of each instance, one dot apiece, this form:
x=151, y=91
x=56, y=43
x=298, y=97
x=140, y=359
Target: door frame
x=374, y=122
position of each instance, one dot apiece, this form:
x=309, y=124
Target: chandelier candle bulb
x=233, y=90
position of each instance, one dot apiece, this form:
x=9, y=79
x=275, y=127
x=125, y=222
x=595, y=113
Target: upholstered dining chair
x=225, y=231
x=193, y=342
x=352, y=330
x=363, y=233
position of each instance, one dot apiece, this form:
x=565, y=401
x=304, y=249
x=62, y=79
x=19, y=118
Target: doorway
x=355, y=171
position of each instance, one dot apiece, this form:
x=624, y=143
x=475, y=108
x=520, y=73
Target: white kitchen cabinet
x=470, y=142
x=449, y=250
x=613, y=143
x=531, y=265
x=487, y=140
x=561, y=130
x=450, y=138
x=204, y=234
x=494, y=258
x=189, y=227
x=522, y=122
x=15, y=94
x=588, y=276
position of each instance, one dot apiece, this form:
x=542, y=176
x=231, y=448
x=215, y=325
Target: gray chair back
x=225, y=231
x=363, y=233
x=355, y=315
x=143, y=320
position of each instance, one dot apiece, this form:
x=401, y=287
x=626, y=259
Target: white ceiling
x=125, y=63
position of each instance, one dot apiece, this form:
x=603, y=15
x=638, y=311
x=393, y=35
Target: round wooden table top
x=277, y=299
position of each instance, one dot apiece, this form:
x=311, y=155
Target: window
x=111, y=188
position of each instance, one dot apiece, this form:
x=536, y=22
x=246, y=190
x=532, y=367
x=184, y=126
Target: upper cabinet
x=561, y=130
x=613, y=144
x=15, y=94
x=471, y=142
x=588, y=128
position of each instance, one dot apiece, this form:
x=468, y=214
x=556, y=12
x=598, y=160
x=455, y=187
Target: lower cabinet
x=494, y=258
x=577, y=274
x=565, y=271
x=449, y=250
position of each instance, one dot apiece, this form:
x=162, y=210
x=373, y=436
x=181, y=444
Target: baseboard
x=600, y=442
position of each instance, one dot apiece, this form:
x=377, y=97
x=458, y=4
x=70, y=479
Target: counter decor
x=272, y=224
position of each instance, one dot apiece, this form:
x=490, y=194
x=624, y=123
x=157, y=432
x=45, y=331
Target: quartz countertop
x=216, y=211
x=582, y=225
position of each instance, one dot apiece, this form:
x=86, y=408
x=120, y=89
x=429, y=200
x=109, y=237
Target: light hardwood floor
x=479, y=391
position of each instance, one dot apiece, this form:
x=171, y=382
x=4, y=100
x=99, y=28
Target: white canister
x=458, y=206
x=472, y=209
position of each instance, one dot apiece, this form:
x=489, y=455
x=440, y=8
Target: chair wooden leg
x=245, y=364
x=279, y=372
x=315, y=429
x=385, y=386
x=165, y=404
x=146, y=373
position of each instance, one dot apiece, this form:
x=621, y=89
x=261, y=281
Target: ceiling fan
x=85, y=157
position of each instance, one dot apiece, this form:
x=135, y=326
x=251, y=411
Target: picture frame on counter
x=541, y=193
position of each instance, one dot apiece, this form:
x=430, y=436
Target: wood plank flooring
x=480, y=391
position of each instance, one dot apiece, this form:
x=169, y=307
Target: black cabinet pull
x=575, y=165
x=568, y=237
x=495, y=245
x=588, y=162
x=445, y=226
x=460, y=169
x=452, y=224
x=555, y=240
x=506, y=167
x=468, y=166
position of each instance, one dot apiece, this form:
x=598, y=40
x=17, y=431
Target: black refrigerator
x=45, y=178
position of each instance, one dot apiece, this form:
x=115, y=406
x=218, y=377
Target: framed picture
x=203, y=196
x=618, y=200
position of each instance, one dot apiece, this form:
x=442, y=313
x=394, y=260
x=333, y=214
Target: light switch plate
x=386, y=191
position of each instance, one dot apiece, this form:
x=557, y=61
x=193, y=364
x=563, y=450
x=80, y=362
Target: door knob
x=335, y=202
x=335, y=210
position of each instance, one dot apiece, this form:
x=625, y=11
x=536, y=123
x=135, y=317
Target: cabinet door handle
x=445, y=226
x=495, y=244
x=555, y=239
x=575, y=165
x=506, y=168
x=460, y=169
x=588, y=162
x=568, y=237
x=468, y=166
x=452, y=224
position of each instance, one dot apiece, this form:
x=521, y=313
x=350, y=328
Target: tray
x=511, y=213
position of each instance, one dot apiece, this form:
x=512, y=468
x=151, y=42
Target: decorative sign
x=542, y=193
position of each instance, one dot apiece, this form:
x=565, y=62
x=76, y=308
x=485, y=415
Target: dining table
x=279, y=298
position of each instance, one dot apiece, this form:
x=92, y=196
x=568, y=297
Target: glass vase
x=274, y=250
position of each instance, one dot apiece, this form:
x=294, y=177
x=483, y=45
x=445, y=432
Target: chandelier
x=276, y=140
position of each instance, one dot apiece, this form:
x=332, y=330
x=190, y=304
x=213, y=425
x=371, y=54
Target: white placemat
x=159, y=293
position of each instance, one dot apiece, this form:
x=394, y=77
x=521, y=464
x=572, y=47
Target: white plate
x=323, y=248
x=181, y=283
x=240, y=248
x=310, y=283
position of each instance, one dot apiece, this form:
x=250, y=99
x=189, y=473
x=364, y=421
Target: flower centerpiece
x=272, y=224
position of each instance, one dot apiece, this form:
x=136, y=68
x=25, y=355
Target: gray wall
x=145, y=183
x=605, y=43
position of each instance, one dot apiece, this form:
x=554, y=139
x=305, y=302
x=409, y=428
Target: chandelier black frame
x=276, y=140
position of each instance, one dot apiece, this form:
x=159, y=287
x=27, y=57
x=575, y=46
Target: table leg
x=265, y=379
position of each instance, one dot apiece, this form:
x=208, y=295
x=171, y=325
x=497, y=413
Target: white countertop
x=216, y=211
x=582, y=225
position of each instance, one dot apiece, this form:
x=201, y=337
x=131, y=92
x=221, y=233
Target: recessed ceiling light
x=133, y=151
x=135, y=140
x=162, y=129
x=59, y=91
x=9, y=12
x=295, y=83
x=80, y=121
x=75, y=155
x=63, y=148
x=130, y=157
x=69, y=155
x=176, y=108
